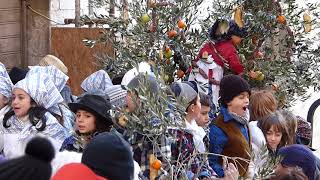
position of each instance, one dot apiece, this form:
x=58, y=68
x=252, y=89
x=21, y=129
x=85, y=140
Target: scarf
x=198, y=135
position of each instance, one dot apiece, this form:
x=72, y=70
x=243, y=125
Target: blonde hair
x=262, y=103
x=292, y=125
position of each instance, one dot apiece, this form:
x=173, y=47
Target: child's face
x=131, y=105
x=273, y=138
x=21, y=102
x=85, y=121
x=203, y=118
x=239, y=104
x=3, y=101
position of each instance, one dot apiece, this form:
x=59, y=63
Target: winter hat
x=76, y=171
x=185, y=92
x=231, y=86
x=51, y=60
x=94, y=104
x=150, y=81
x=16, y=74
x=301, y=156
x=35, y=164
x=236, y=30
x=117, y=95
x=304, y=129
x=109, y=156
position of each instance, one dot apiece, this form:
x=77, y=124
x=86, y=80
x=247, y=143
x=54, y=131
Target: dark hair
x=275, y=119
x=35, y=115
x=291, y=173
x=204, y=99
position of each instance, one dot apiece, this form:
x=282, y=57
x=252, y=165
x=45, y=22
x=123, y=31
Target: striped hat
x=117, y=95
x=99, y=80
x=5, y=82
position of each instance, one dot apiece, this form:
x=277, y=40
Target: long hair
x=262, y=103
x=277, y=121
x=36, y=114
x=292, y=124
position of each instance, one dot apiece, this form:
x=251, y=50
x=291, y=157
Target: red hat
x=76, y=171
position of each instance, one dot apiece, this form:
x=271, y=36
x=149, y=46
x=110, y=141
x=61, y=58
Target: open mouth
x=245, y=108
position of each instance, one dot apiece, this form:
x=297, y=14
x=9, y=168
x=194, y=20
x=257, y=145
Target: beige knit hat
x=50, y=60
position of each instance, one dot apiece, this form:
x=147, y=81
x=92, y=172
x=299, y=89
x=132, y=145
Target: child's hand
x=231, y=172
x=194, y=64
x=214, y=82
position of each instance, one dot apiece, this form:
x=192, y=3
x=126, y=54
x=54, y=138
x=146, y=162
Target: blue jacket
x=218, y=140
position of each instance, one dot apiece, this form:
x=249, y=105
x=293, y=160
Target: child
x=92, y=117
x=298, y=156
x=229, y=134
x=60, y=110
x=203, y=119
x=34, y=164
x=275, y=131
x=190, y=139
x=262, y=103
x=29, y=116
x=292, y=125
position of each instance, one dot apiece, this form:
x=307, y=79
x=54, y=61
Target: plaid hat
x=41, y=89
x=51, y=60
x=3, y=71
x=99, y=80
x=109, y=156
x=57, y=77
x=232, y=86
x=16, y=74
x=304, y=129
x=185, y=92
x=117, y=95
x=76, y=171
x=94, y=104
x=301, y=156
x=5, y=87
x=35, y=164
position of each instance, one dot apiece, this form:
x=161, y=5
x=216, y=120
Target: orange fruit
x=156, y=164
x=281, y=19
x=236, y=40
x=171, y=34
x=181, y=24
x=255, y=40
x=180, y=73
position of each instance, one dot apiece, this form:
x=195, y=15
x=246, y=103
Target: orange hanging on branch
x=181, y=24
x=281, y=19
x=156, y=164
x=171, y=34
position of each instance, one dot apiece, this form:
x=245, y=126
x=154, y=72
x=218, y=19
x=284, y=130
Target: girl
x=31, y=97
x=262, y=103
x=275, y=131
x=92, y=117
x=292, y=125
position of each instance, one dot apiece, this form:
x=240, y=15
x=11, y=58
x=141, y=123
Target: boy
x=229, y=133
x=203, y=119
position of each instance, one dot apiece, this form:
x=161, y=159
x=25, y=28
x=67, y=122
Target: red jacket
x=228, y=51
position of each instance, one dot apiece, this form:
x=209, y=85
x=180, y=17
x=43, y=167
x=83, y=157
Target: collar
x=225, y=113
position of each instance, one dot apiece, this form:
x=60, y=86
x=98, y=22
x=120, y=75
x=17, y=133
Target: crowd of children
x=41, y=120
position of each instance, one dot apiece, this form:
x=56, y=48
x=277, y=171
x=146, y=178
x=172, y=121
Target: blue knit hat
x=301, y=156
